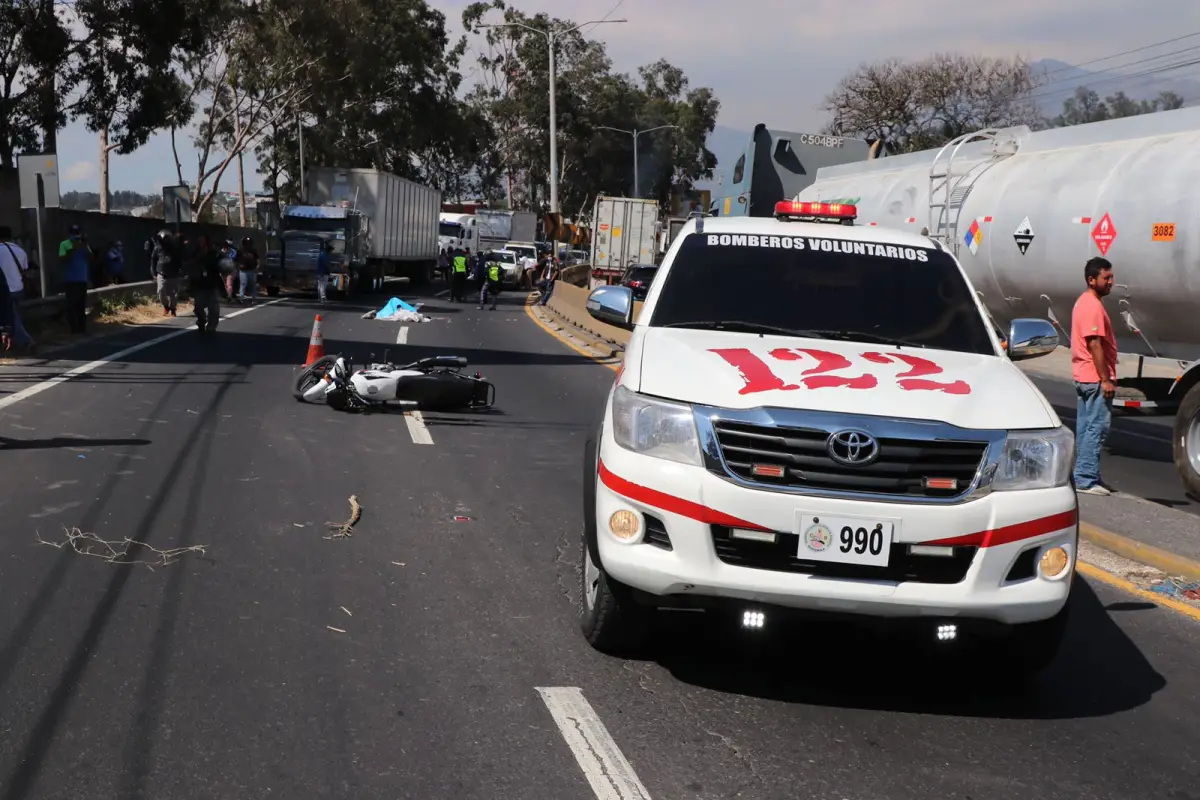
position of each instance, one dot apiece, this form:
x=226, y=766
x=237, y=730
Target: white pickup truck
x=838, y=429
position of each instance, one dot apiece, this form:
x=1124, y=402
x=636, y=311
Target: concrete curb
x=1170, y=563
x=602, y=350
x=614, y=348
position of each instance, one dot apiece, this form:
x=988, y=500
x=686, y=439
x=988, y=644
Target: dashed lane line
x=402, y=335
x=38, y=388
x=416, y=428
x=609, y=773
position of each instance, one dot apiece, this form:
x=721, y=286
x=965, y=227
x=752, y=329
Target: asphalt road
x=219, y=676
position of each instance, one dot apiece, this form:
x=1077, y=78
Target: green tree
x=37, y=47
x=1085, y=106
x=123, y=62
x=512, y=93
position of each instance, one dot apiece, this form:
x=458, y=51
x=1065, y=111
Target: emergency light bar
x=840, y=212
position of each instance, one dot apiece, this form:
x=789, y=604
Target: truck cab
x=305, y=230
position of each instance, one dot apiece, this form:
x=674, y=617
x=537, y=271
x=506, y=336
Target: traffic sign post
x=177, y=203
x=38, y=177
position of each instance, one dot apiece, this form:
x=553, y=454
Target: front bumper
x=685, y=548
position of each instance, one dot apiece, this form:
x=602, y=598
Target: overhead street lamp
x=551, y=36
x=635, y=133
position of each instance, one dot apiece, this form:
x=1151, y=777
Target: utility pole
x=551, y=36
x=635, y=133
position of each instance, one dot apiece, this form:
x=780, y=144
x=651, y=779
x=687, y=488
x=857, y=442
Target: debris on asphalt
x=299, y=525
x=118, y=552
x=1177, y=588
x=342, y=530
x=348, y=614
x=460, y=518
x=335, y=630
x=399, y=563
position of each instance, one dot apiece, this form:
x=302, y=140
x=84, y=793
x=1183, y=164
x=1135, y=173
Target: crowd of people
x=460, y=268
x=209, y=272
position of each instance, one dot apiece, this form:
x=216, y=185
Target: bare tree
x=921, y=104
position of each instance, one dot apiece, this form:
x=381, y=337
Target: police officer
x=491, y=283
x=459, y=279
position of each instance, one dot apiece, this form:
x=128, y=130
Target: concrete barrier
x=43, y=309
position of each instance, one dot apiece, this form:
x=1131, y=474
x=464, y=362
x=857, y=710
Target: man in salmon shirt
x=1094, y=367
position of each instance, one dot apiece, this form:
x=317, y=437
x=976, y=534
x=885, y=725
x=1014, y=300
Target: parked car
x=638, y=278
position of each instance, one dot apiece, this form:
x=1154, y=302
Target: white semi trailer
x=1024, y=210
x=401, y=237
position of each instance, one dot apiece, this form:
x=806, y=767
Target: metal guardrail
x=40, y=309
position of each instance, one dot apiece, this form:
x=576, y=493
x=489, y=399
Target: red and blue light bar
x=797, y=208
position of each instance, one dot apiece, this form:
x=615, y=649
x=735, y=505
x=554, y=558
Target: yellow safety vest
x=494, y=273
x=460, y=264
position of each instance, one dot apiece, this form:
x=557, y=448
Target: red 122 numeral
x=758, y=377
x=916, y=379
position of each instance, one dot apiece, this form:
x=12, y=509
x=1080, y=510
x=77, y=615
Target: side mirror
x=613, y=305
x=1031, y=338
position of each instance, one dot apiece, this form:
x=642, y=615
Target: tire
x=304, y=380
x=612, y=620
x=1186, y=441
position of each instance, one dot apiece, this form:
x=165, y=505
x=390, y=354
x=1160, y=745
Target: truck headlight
x=655, y=427
x=1035, y=460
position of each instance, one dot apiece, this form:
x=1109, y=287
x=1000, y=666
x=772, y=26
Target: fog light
x=947, y=633
x=1054, y=561
x=624, y=524
x=753, y=619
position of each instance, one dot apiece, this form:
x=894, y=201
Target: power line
x=1155, y=70
x=1124, y=66
x=611, y=11
x=1125, y=53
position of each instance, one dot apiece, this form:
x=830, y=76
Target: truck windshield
x=822, y=287
x=451, y=229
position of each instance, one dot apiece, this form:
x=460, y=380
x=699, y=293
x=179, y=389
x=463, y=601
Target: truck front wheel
x=1186, y=441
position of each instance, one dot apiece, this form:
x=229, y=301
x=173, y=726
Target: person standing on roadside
x=15, y=263
x=247, y=264
x=458, y=279
x=323, y=271
x=76, y=258
x=206, y=284
x=1094, y=368
x=166, y=263
x=116, y=263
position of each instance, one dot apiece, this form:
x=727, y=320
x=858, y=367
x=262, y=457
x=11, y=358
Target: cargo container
x=625, y=231
x=401, y=234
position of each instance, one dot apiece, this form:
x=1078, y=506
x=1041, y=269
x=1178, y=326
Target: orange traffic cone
x=316, y=344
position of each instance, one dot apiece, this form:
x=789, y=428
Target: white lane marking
x=611, y=776
x=402, y=335
x=443, y=293
x=416, y=428
x=38, y=388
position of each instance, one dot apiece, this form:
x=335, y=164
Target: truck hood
x=742, y=371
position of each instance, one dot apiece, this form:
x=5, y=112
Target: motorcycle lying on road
x=431, y=384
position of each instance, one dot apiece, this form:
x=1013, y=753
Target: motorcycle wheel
x=312, y=374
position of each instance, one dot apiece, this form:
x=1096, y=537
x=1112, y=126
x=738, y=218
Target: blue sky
x=773, y=65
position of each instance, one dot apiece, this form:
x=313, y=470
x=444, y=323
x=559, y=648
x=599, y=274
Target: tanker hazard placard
x=1104, y=233
x=1024, y=235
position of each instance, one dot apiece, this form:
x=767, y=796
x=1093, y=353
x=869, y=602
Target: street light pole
x=551, y=35
x=635, y=133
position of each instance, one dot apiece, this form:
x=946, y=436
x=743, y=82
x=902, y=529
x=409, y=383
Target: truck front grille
x=904, y=468
x=781, y=556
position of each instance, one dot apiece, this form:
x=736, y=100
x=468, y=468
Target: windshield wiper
x=861, y=336
x=742, y=326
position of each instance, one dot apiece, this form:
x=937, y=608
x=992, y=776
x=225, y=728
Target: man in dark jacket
x=165, y=263
x=206, y=284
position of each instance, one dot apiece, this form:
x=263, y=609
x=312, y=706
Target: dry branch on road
x=119, y=552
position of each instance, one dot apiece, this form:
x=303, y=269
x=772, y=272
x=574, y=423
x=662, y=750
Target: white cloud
x=79, y=171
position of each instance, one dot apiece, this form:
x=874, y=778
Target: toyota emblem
x=852, y=448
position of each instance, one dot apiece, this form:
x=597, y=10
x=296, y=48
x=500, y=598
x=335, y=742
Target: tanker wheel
x=1186, y=441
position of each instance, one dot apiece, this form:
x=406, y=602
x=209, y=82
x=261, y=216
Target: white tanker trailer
x=1024, y=210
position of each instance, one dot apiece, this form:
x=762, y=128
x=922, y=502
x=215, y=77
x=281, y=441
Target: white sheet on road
x=396, y=310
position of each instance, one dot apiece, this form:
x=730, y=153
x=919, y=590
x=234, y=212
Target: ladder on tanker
x=948, y=191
